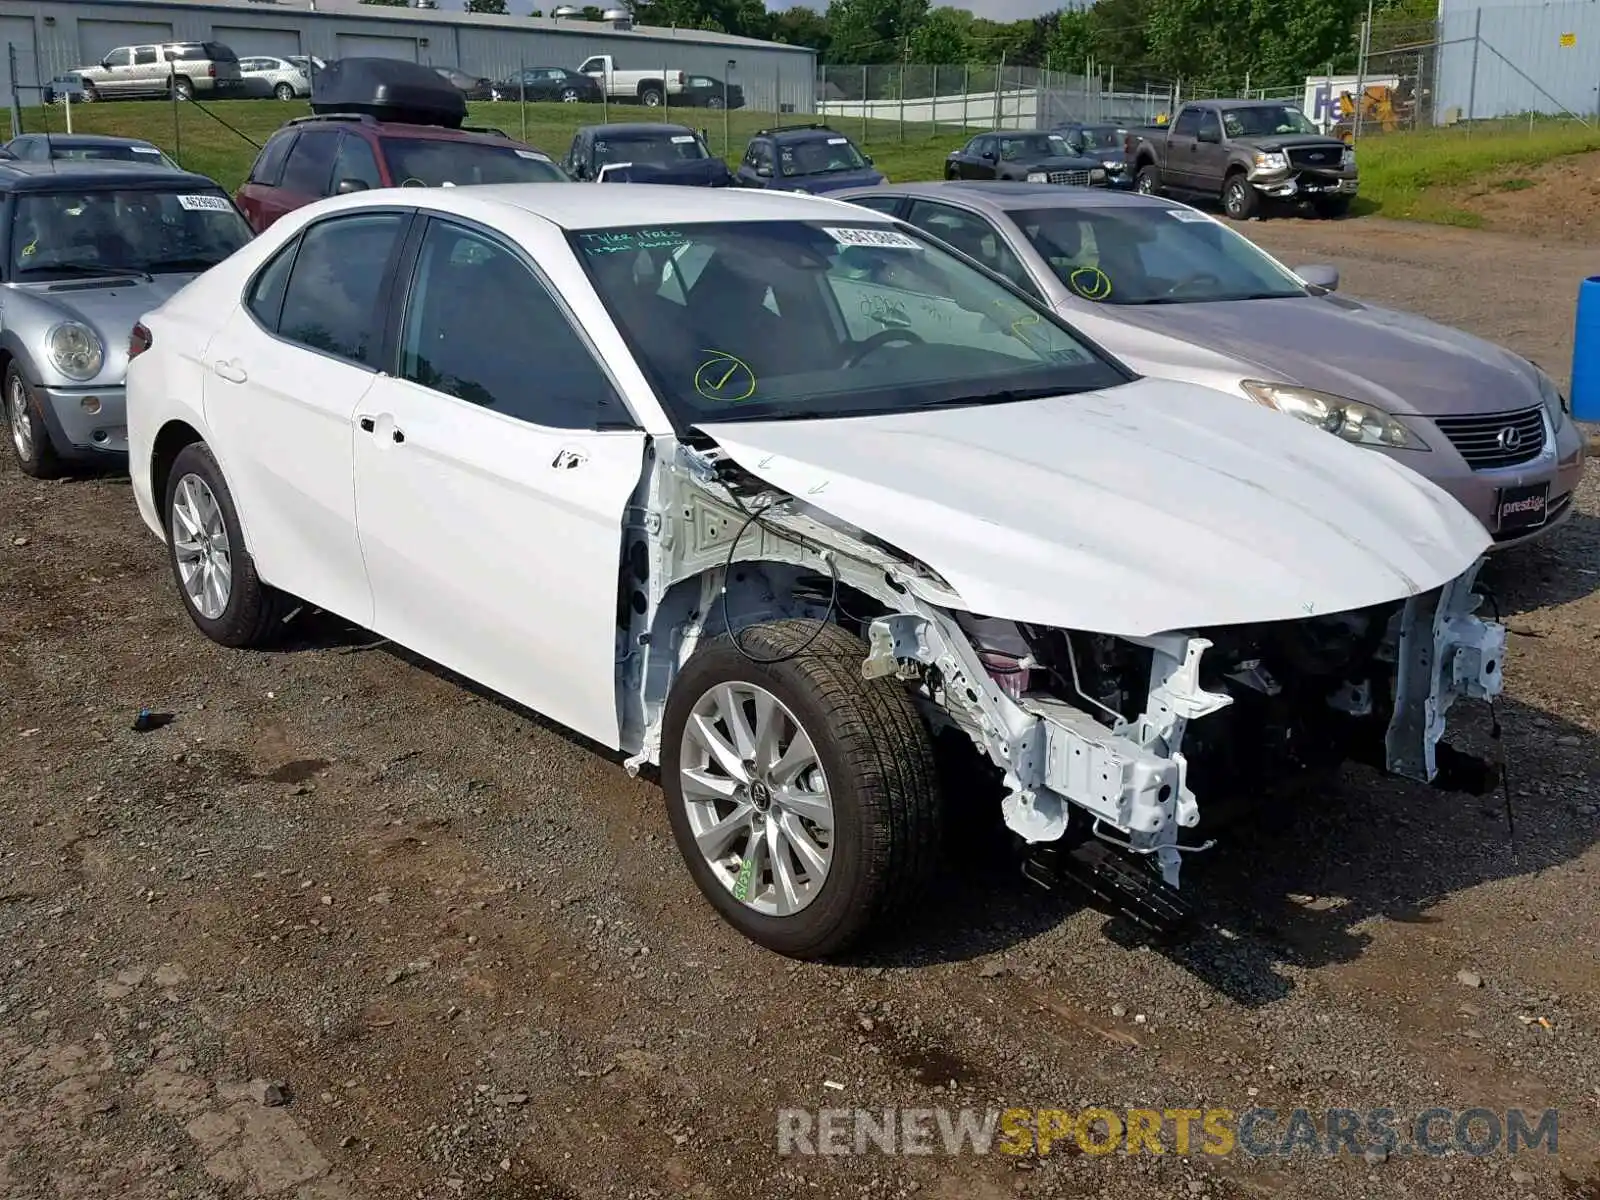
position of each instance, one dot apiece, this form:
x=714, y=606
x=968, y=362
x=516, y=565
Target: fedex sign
x=1321, y=104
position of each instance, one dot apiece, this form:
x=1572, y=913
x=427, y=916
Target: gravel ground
x=345, y=928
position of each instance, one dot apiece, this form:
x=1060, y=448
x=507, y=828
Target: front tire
x=184, y=88
x=215, y=574
x=89, y=94
x=283, y=92
x=1239, y=199
x=803, y=797
x=30, y=438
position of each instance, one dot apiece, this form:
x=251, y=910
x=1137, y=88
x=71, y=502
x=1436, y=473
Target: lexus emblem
x=1509, y=438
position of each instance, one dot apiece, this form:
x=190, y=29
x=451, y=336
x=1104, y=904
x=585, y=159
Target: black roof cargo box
x=389, y=89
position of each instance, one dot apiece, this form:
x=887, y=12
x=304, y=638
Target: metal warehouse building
x=1508, y=57
x=48, y=38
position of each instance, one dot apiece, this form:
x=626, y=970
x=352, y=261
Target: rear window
x=217, y=52
x=436, y=162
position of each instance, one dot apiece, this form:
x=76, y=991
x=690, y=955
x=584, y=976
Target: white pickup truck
x=649, y=88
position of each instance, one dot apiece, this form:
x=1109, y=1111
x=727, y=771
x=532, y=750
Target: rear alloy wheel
x=183, y=88
x=1239, y=199
x=714, y=102
x=89, y=95
x=1147, y=182
x=283, y=92
x=30, y=440
x=802, y=797
x=650, y=98
x=215, y=574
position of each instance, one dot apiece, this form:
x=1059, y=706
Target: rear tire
x=183, y=88
x=283, y=92
x=250, y=613
x=650, y=97
x=1148, y=181
x=570, y=96
x=871, y=772
x=30, y=437
x=1239, y=199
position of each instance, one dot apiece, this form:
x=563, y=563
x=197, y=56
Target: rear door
x=256, y=191
x=307, y=174
x=493, y=468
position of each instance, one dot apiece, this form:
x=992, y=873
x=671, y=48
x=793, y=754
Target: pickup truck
x=1245, y=153
x=649, y=88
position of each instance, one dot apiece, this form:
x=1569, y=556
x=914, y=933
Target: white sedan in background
x=265, y=75
x=771, y=493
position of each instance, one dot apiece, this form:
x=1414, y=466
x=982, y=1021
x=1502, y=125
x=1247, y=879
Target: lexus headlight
x=1362, y=424
x=1554, y=402
x=1098, y=175
x=1038, y=177
x=1271, y=160
x=76, y=350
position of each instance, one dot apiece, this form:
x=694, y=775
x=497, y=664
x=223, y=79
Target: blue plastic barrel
x=1586, y=352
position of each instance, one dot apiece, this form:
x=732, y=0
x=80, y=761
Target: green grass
x=1405, y=175
x=1410, y=175
x=220, y=144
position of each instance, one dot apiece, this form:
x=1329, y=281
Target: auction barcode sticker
x=890, y=238
x=838, y=141
x=1187, y=214
x=682, y=139
x=533, y=154
x=204, y=204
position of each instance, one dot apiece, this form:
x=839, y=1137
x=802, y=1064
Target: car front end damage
x=1108, y=746
x=1303, y=172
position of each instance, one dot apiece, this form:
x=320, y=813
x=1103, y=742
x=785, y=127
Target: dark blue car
x=649, y=152
x=805, y=158
x=1105, y=142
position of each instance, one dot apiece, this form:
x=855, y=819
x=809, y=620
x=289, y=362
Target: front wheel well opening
x=170, y=441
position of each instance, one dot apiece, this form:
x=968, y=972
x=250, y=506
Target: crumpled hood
x=817, y=185
x=1139, y=509
x=1403, y=363
x=111, y=312
x=703, y=172
x=1293, y=141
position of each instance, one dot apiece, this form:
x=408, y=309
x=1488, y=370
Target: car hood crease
x=1143, y=508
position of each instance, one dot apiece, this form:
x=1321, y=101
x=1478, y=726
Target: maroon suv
x=337, y=153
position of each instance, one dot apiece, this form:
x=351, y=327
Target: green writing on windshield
x=619, y=241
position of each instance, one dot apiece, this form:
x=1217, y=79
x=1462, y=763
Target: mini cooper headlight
x=76, y=350
x=1358, y=423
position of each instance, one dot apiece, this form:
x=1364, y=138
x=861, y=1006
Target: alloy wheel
x=200, y=544
x=21, y=421
x=757, y=798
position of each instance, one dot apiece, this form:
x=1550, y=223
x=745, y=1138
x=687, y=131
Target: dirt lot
x=464, y=944
x=1555, y=200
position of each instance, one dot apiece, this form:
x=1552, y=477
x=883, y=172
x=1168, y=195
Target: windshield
x=1265, y=120
x=764, y=320
x=1101, y=137
x=1140, y=255
x=652, y=148
x=55, y=235
x=435, y=162
x=148, y=155
x=819, y=156
x=1029, y=146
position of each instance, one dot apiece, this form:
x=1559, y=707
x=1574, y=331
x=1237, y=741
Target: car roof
x=594, y=207
x=1248, y=103
x=87, y=139
x=806, y=135
x=1003, y=196
x=19, y=176
x=442, y=133
x=634, y=127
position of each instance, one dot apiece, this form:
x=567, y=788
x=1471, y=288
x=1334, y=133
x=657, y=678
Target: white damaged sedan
x=772, y=494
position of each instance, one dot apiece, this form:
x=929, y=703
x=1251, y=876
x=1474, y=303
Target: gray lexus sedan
x=1176, y=294
x=86, y=249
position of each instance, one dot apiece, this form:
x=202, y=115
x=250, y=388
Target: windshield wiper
x=193, y=263
x=1004, y=396
x=85, y=271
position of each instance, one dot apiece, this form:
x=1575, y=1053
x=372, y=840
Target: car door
x=286, y=375
x=148, y=74
x=493, y=469
x=116, y=75
x=1181, y=166
x=1210, y=156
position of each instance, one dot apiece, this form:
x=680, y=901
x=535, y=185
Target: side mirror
x=990, y=156
x=105, y=64
x=346, y=187
x=867, y=158
x=1324, y=277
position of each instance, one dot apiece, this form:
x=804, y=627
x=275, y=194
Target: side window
x=883, y=204
x=311, y=162
x=973, y=236
x=356, y=161
x=122, y=56
x=269, y=163
x=144, y=56
x=331, y=301
x=764, y=155
x=1209, y=124
x=265, y=299
x=1188, y=123
x=481, y=327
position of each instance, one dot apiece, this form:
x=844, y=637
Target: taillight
x=139, y=342
x=211, y=70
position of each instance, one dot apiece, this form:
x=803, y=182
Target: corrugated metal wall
x=1504, y=58
x=772, y=76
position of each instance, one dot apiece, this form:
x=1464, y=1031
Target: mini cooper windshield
x=763, y=320
x=57, y=235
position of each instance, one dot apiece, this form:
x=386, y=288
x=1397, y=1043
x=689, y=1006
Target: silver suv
x=207, y=69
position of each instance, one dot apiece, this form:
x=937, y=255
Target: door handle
x=231, y=371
